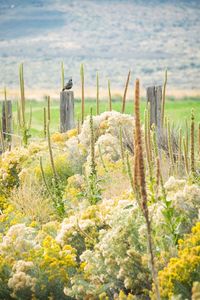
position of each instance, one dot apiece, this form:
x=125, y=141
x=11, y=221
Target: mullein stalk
x=92, y=146
x=18, y=117
x=170, y=146
x=22, y=107
x=192, y=158
x=130, y=175
x=121, y=147
x=78, y=126
x=187, y=136
x=22, y=102
x=155, y=144
x=163, y=99
x=125, y=92
x=109, y=97
x=6, y=113
x=186, y=162
x=45, y=122
x=180, y=149
x=51, y=155
x=199, y=140
x=2, y=138
x=97, y=99
x=82, y=94
x=62, y=75
x=142, y=184
x=30, y=118
x=48, y=108
x=146, y=137
x=101, y=158
x=136, y=180
x=159, y=177
x=44, y=178
x=149, y=133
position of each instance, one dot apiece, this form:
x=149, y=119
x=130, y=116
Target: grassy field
x=177, y=111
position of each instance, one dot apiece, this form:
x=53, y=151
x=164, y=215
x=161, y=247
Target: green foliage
x=24, y=127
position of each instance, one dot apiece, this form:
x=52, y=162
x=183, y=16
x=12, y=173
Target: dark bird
x=69, y=85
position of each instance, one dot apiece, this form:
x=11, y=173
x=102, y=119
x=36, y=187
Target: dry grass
x=116, y=184
x=29, y=200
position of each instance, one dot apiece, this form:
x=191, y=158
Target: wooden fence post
x=154, y=96
x=7, y=119
x=66, y=110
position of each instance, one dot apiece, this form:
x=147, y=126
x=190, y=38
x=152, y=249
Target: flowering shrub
x=178, y=213
x=179, y=275
x=10, y=166
x=94, y=249
x=117, y=260
x=34, y=264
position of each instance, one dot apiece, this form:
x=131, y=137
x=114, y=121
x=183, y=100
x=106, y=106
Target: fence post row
x=66, y=110
x=7, y=119
x=154, y=97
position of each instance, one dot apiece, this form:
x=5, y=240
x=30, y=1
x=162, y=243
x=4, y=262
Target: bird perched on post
x=69, y=85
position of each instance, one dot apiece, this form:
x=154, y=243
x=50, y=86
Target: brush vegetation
x=106, y=210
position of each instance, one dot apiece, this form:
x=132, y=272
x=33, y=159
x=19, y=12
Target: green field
x=177, y=111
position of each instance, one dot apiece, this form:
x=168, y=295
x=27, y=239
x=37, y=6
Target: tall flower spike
x=192, y=159
x=138, y=145
x=139, y=162
x=92, y=145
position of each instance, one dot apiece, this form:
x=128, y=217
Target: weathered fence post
x=154, y=96
x=66, y=110
x=7, y=119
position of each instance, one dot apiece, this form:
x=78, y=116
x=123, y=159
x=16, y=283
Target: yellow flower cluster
x=58, y=137
x=177, y=277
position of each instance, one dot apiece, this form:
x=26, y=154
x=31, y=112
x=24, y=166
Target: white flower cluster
x=10, y=159
x=173, y=185
x=185, y=200
x=76, y=153
x=20, y=280
x=183, y=195
x=19, y=239
x=117, y=257
x=99, y=125
x=107, y=123
x=70, y=228
x=109, y=147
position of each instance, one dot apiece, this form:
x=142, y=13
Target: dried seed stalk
x=149, y=133
x=187, y=136
x=48, y=108
x=51, y=154
x=125, y=92
x=159, y=177
x=101, y=158
x=163, y=98
x=45, y=121
x=92, y=145
x=139, y=163
x=180, y=150
x=121, y=146
x=170, y=146
x=186, y=162
x=199, y=140
x=146, y=133
x=192, y=158
x=97, y=100
x=62, y=75
x=82, y=95
x=109, y=97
